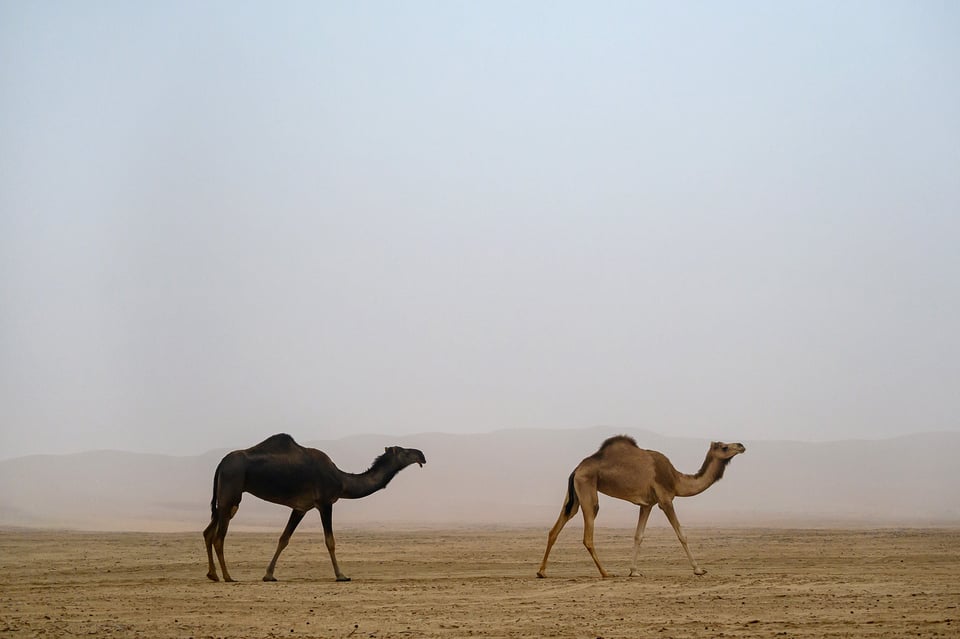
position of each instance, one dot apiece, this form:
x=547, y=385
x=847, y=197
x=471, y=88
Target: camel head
x=405, y=456
x=725, y=451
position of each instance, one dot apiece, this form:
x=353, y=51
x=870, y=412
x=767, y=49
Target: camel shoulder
x=657, y=456
x=664, y=471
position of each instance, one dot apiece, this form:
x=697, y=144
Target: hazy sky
x=722, y=220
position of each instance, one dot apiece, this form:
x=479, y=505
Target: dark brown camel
x=281, y=471
x=623, y=470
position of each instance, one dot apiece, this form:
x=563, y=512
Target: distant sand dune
x=514, y=477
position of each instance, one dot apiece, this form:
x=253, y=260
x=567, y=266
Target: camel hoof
x=634, y=573
x=229, y=580
x=343, y=578
x=699, y=571
x=212, y=576
x=269, y=578
x=540, y=575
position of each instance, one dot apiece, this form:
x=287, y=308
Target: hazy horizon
x=304, y=438
x=222, y=221
x=509, y=477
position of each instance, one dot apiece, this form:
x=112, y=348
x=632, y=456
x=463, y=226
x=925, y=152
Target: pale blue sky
x=721, y=220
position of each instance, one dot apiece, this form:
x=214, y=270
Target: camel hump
x=278, y=443
x=618, y=439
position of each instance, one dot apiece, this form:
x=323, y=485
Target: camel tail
x=213, y=501
x=571, y=496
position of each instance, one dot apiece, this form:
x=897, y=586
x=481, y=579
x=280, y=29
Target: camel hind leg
x=210, y=532
x=227, y=492
x=208, y=535
x=566, y=514
x=224, y=516
x=570, y=507
x=590, y=504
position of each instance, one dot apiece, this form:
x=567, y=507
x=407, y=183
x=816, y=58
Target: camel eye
x=725, y=448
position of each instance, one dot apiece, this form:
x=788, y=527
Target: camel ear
x=386, y=449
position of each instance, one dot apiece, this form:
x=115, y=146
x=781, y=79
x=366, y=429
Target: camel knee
x=210, y=531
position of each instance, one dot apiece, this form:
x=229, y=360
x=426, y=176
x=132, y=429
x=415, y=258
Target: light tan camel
x=623, y=470
x=281, y=471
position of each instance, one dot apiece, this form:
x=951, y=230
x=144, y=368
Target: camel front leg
x=326, y=517
x=667, y=508
x=638, y=537
x=292, y=524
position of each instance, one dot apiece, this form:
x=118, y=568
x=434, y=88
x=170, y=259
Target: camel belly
x=297, y=502
x=638, y=497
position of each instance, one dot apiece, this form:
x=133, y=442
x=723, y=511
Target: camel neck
x=360, y=485
x=710, y=472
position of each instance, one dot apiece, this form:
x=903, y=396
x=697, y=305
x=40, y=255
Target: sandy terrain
x=462, y=583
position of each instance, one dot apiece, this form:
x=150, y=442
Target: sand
x=482, y=583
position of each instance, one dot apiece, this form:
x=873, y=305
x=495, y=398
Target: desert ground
x=482, y=583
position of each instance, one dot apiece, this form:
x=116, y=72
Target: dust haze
x=507, y=478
